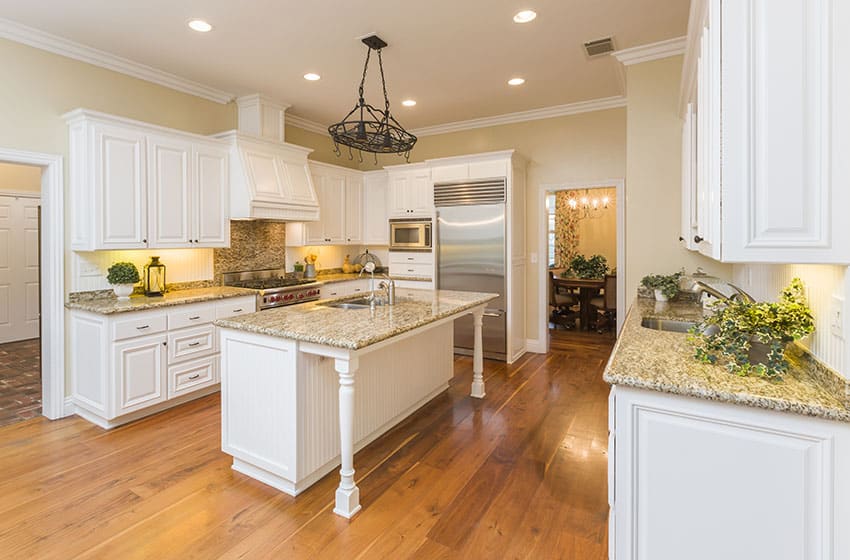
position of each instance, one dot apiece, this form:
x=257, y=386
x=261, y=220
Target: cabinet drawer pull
x=191, y=344
x=410, y=270
x=143, y=327
x=197, y=375
x=195, y=318
x=237, y=310
x=698, y=239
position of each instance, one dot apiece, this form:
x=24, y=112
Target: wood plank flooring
x=520, y=474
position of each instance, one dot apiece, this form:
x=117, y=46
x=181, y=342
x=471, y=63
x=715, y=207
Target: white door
x=19, y=287
x=169, y=188
x=140, y=367
x=211, y=199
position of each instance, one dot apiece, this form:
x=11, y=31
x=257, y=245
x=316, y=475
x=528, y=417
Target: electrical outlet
x=533, y=257
x=836, y=317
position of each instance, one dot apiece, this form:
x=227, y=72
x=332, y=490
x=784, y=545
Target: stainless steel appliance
x=273, y=288
x=410, y=234
x=471, y=256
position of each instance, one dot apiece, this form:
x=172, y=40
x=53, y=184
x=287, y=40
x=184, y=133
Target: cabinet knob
x=698, y=239
x=681, y=238
x=165, y=344
x=144, y=240
x=196, y=241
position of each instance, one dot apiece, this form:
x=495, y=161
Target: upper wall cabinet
x=411, y=191
x=136, y=186
x=767, y=133
x=376, y=229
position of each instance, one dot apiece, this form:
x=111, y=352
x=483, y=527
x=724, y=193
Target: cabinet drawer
x=191, y=376
x=407, y=285
x=235, y=306
x=336, y=289
x=418, y=270
x=400, y=257
x=191, y=343
x=138, y=325
x=359, y=286
x=191, y=315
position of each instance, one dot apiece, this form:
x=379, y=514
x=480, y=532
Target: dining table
x=588, y=288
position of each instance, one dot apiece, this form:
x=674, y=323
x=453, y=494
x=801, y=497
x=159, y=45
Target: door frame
x=52, y=263
x=543, y=246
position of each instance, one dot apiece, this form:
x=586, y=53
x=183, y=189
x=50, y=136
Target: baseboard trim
x=69, y=408
x=535, y=345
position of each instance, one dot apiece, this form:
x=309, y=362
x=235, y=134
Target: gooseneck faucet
x=739, y=294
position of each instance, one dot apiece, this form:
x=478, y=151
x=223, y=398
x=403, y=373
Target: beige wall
x=598, y=236
x=322, y=147
x=19, y=178
x=653, y=176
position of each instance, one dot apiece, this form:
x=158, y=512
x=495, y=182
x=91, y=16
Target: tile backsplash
x=254, y=245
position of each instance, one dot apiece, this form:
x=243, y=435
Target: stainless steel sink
x=359, y=303
x=669, y=325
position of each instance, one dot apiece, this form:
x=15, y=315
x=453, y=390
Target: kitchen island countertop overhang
x=282, y=369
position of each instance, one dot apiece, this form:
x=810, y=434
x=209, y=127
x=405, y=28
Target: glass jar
x=154, y=278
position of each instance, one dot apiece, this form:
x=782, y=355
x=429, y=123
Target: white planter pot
x=123, y=291
x=659, y=295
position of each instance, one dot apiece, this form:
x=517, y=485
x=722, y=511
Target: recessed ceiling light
x=525, y=16
x=408, y=102
x=200, y=26
x=312, y=77
x=516, y=81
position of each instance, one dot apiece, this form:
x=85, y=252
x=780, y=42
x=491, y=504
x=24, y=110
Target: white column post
x=478, y=355
x=347, y=495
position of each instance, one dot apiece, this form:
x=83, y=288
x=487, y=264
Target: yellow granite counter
x=111, y=304
x=356, y=328
x=664, y=361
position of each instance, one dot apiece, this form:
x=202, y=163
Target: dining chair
x=605, y=305
x=563, y=302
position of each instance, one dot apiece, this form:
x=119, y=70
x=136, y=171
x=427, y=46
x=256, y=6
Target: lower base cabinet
x=129, y=365
x=703, y=480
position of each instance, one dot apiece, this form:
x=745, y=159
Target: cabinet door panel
x=333, y=202
x=353, y=210
x=488, y=169
x=169, y=188
x=376, y=211
x=447, y=173
x=265, y=175
x=398, y=187
x=140, y=372
x=421, y=193
x=121, y=188
x=211, y=202
x=300, y=181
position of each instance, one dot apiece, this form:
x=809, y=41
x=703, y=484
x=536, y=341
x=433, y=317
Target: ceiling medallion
x=367, y=128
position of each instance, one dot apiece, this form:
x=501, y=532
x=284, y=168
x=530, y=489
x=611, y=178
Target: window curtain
x=566, y=231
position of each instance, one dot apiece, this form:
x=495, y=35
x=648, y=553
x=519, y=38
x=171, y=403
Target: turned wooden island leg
x=477, y=355
x=347, y=495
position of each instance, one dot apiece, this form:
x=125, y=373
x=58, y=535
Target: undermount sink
x=359, y=303
x=669, y=325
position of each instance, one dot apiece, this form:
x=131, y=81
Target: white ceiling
x=453, y=57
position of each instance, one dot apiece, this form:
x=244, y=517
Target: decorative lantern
x=154, y=278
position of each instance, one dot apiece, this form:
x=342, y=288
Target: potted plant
x=664, y=286
x=580, y=267
x=122, y=276
x=751, y=338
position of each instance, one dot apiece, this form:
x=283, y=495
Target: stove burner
x=274, y=289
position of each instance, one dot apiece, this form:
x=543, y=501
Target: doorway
x=20, y=293
x=591, y=218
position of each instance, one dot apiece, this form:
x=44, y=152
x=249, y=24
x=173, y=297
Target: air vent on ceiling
x=599, y=46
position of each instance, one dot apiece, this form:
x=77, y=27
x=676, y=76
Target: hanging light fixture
x=587, y=206
x=367, y=128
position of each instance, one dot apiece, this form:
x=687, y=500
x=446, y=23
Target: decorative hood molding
x=269, y=180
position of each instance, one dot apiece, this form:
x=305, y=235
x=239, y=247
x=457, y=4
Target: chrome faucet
x=739, y=294
x=370, y=268
x=388, y=284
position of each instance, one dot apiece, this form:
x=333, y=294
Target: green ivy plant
x=580, y=267
x=728, y=335
x=668, y=284
x=122, y=273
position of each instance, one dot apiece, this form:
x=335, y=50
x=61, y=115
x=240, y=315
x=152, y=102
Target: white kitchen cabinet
x=346, y=288
x=353, y=209
x=417, y=264
x=770, y=169
x=465, y=168
x=702, y=480
x=329, y=229
x=411, y=191
x=128, y=365
x=139, y=366
x=135, y=186
x=376, y=229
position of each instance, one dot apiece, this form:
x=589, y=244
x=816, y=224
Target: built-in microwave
x=410, y=234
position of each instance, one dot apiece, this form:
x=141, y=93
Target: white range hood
x=269, y=179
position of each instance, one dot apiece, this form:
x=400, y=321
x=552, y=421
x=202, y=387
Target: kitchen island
x=282, y=369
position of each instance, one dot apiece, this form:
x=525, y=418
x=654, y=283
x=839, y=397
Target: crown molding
x=651, y=51
x=524, y=116
x=305, y=124
x=23, y=34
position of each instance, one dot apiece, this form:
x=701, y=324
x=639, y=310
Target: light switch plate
x=836, y=317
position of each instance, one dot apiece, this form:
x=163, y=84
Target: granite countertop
x=664, y=361
x=345, y=277
x=110, y=305
x=356, y=328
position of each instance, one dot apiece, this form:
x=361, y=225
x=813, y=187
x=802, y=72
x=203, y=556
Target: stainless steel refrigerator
x=471, y=256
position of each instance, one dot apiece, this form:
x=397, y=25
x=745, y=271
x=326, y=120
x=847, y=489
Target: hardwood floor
x=520, y=474
x=20, y=381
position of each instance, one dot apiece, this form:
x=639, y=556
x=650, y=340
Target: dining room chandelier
x=367, y=128
x=586, y=206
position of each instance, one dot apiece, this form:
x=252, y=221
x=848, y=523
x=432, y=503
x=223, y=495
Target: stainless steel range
x=274, y=289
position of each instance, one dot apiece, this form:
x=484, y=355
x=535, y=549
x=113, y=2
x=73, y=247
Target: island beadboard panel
x=254, y=245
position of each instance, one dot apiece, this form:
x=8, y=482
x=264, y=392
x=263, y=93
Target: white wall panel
x=88, y=268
